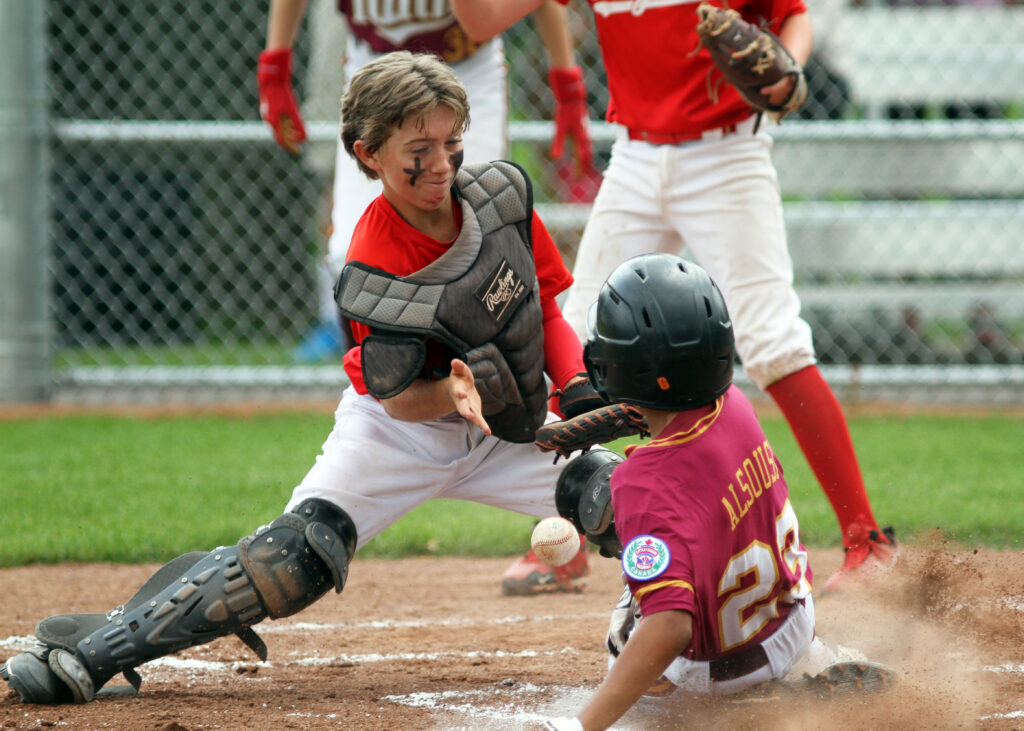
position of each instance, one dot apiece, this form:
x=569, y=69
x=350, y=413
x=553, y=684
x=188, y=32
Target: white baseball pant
x=718, y=198
x=378, y=468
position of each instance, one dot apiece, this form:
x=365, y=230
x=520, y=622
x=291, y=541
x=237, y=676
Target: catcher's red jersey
x=706, y=524
x=657, y=79
x=383, y=239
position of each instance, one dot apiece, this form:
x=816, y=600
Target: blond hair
x=394, y=88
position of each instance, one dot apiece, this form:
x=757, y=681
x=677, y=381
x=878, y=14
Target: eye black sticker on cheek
x=414, y=172
x=456, y=160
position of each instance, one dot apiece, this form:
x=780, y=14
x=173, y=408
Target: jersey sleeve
x=656, y=560
x=563, y=353
x=552, y=274
x=779, y=10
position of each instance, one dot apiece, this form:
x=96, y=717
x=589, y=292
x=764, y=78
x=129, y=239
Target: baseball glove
x=750, y=58
x=602, y=425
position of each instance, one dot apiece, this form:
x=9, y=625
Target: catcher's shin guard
x=277, y=571
x=583, y=497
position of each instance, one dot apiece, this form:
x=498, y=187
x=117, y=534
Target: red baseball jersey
x=420, y=27
x=383, y=239
x=657, y=79
x=707, y=527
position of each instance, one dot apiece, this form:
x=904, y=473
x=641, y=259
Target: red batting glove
x=277, y=100
x=571, y=117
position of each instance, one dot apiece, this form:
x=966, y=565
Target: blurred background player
x=689, y=170
x=718, y=596
x=371, y=29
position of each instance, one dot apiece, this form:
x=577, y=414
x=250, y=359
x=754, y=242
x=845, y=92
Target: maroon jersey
x=707, y=527
x=419, y=27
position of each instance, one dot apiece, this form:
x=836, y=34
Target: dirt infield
x=430, y=643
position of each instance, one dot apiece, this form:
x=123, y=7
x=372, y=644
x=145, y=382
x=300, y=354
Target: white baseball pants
x=718, y=198
x=378, y=468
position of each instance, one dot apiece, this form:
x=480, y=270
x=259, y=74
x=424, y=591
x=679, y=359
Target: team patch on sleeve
x=645, y=557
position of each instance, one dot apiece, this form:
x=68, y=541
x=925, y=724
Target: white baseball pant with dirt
x=717, y=197
x=378, y=468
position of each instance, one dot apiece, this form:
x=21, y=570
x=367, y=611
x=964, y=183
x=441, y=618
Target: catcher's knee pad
x=196, y=598
x=583, y=496
x=297, y=558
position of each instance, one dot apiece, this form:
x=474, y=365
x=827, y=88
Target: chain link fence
x=184, y=242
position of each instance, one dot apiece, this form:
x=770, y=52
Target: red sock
x=820, y=428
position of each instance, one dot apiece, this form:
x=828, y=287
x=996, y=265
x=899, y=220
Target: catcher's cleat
x=529, y=575
x=46, y=676
x=879, y=552
x=851, y=677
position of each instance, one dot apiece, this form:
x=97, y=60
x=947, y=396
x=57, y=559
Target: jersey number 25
x=748, y=609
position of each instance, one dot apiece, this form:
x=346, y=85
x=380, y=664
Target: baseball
x=555, y=541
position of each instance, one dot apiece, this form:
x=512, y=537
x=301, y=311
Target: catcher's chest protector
x=482, y=290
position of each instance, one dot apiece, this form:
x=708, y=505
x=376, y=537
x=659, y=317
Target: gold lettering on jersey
x=734, y=519
x=772, y=462
x=763, y=470
x=755, y=476
x=746, y=489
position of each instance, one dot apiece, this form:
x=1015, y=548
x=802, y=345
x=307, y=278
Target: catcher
x=718, y=597
x=451, y=285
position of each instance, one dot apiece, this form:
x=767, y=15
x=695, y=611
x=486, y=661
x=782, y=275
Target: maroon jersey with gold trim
x=419, y=27
x=704, y=515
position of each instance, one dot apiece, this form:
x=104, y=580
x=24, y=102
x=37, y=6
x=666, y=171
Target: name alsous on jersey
x=755, y=476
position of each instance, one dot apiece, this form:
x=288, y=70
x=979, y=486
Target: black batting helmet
x=659, y=335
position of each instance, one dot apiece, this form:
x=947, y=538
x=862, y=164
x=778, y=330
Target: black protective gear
x=659, y=335
x=482, y=291
x=583, y=497
x=277, y=571
x=579, y=398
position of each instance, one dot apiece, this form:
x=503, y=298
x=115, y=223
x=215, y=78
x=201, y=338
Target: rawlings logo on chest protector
x=501, y=291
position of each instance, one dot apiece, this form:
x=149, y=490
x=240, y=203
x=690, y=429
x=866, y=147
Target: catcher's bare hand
x=462, y=389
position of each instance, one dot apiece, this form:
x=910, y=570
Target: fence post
x=25, y=331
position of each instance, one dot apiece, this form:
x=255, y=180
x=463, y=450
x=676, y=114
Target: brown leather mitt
x=750, y=58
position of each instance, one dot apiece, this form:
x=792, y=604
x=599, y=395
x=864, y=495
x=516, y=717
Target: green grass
x=178, y=354
x=132, y=489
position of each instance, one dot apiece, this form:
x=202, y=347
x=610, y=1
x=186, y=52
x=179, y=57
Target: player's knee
x=583, y=497
x=298, y=557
